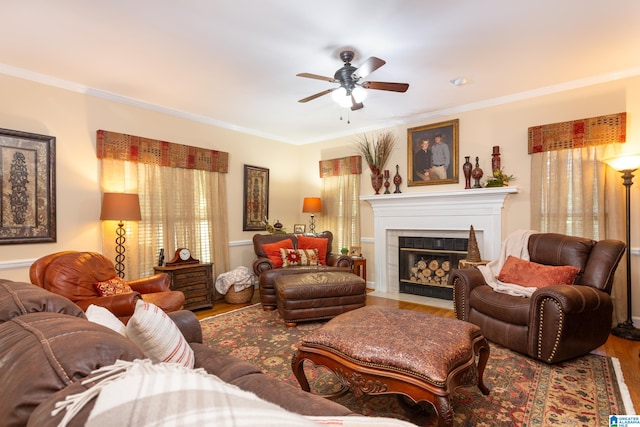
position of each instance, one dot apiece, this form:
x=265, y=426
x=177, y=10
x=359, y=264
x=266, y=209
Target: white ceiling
x=234, y=63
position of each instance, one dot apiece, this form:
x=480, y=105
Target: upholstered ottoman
x=383, y=350
x=318, y=295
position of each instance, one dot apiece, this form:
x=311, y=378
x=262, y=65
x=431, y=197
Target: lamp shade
x=120, y=207
x=624, y=162
x=312, y=205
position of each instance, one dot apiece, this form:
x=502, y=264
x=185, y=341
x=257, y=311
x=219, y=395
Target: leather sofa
x=47, y=347
x=266, y=271
x=557, y=322
x=73, y=275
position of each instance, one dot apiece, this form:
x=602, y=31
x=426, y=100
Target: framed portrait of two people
x=432, y=154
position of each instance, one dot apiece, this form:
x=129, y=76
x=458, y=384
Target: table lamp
x=312, y=205
x=120, y=207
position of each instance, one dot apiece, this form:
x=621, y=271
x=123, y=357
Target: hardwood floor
x=627, y=352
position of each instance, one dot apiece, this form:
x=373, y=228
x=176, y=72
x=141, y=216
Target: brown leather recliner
x=74, y=274
x=557, y=322
x=264, y=268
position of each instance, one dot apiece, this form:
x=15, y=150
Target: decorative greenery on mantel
x=499, y=179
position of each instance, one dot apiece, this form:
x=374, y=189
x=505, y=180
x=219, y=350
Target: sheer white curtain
x=574, y=193
x=180, y=208
x=341, y=202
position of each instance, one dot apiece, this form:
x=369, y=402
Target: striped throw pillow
x=158, y=336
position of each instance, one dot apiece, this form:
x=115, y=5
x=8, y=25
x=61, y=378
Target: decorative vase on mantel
x=387, y=184
x=397, y=180
x=476, y=174
x=376, y=182
x=466, y=168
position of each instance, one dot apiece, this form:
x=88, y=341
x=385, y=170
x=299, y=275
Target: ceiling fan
x=351, y=90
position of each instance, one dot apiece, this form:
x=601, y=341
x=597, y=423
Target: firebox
x=425, y=264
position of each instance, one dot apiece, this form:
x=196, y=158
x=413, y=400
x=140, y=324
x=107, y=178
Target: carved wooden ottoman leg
x=297, y=366
x=444, y=411
x=481, y=348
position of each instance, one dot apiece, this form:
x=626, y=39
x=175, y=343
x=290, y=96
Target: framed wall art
x=256, y=198
x=432, y=154
x=28, y=187
x=299, y=228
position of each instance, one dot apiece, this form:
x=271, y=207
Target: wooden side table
x=360, y=267
x=194, y=280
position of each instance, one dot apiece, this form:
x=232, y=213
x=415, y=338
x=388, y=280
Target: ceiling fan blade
x=317, y=95
x=316, y=76
x=355, y=105
x=369, y=66
x=393, y=87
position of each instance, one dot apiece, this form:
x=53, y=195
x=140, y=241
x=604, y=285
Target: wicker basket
x=242, y=297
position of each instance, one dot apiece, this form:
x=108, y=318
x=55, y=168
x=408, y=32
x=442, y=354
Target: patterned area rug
x=524, y=392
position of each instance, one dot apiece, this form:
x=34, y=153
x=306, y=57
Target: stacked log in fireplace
x=426, y=262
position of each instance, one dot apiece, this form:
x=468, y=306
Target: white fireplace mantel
x=439, y=212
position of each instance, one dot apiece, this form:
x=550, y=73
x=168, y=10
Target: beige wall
x=73, y=118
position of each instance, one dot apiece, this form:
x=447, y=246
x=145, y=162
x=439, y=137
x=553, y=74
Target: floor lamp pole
x=120, y=231
x=626, y=329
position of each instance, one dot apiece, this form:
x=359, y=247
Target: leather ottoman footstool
x=383, y=350
x=318, y=295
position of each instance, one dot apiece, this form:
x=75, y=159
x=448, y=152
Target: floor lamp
x=120, y=207
x=312, y=205
x=626, y=164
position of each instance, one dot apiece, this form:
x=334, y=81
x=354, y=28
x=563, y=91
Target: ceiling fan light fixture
x=359, y=94
x=340, y=96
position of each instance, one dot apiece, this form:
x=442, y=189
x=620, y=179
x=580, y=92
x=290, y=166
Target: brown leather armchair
x=73, y=274
x=557, y=322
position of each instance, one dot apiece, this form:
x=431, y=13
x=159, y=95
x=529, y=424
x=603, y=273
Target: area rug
x=524, y=392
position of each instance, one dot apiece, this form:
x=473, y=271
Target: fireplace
x=437, y=214
x=425, y=264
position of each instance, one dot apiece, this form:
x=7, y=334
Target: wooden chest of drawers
x=195, y=281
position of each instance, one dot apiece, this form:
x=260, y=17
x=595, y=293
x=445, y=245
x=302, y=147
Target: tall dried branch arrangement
x=376, y=152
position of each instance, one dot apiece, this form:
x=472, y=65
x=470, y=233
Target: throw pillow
x=115, y=286
x=319, y=243
x=104, y=317
x=298, y=257
x=531, y=274
x=272, y=250
x=158, y=336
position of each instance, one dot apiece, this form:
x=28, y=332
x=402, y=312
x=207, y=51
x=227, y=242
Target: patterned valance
x=119, y=146
x=578, y=133
x=343, y=166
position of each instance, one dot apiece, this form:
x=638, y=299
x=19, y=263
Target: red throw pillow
x=272, y=251
x=531, y=274
x=319, y=243
x=115, y=286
